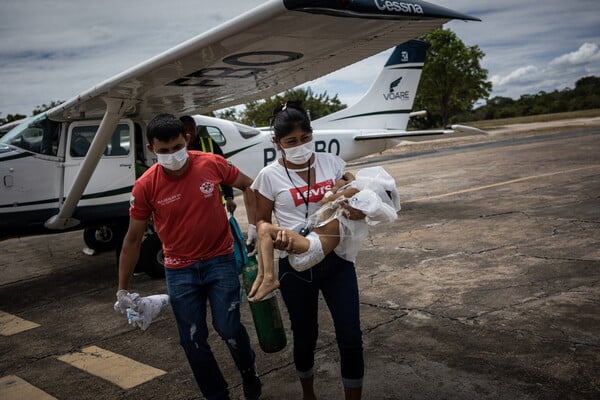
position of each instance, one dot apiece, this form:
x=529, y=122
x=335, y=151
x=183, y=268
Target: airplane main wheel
x=100, y=238
x=152, y=259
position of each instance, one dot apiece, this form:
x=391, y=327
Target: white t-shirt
x=289, y=206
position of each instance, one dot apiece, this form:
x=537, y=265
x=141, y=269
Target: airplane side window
x=119, y=142
x=216, y=135
x=82, y=137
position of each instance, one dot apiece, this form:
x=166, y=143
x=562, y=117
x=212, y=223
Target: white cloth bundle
x=140, y=311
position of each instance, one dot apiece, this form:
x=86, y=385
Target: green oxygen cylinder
x=265, y=313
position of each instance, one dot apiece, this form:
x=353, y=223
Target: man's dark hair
x=288, y=118
x=186, y=119
x=164, y=127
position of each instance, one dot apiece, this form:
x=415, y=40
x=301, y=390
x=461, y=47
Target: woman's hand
x=283, y=241
x=351, y=212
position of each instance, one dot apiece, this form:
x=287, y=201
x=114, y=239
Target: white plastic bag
x=145, y=309
x=372, y=205
x=383, y=184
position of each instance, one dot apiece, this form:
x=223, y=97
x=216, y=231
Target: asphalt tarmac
x=486, y=287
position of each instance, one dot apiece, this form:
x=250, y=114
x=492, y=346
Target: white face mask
x=299, y=154
x=173, y=161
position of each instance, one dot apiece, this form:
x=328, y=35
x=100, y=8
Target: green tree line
x=584, y=96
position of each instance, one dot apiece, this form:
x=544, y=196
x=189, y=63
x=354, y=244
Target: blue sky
x=55, y=49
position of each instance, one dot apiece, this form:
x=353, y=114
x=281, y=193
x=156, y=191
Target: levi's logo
x=317, y=191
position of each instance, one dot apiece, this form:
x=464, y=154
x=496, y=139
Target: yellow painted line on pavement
x=120, y=370
x=11, y=324
x=14, y=388
x=526, y=178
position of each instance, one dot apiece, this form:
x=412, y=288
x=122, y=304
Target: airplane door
x=108, y=191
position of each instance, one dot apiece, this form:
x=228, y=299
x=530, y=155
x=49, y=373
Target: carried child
x=373, y=192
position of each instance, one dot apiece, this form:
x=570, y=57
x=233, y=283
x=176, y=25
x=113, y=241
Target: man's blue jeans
x=214, y=279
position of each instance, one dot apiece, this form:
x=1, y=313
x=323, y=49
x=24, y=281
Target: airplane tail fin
x=389, y=101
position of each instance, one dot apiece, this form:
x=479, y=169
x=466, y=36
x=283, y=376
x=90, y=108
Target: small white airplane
x=375, y=123
x=73, y=166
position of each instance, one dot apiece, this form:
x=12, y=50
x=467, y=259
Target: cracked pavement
x=486, y=287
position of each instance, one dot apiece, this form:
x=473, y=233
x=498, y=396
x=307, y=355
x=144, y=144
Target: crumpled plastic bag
x=372, y=205
x=379, y=181
x=145, y=311
x=378, y=197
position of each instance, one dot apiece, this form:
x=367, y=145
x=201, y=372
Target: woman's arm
x=264, y=208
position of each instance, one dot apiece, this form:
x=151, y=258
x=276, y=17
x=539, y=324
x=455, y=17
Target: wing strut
x=115, y=108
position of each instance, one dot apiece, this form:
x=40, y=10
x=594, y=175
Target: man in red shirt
x=181, y=194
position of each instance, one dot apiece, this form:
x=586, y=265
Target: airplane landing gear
x=100, y=238
x=152, y=259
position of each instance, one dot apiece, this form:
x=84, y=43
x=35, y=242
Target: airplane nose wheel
x=152, y=259
x=100, y=238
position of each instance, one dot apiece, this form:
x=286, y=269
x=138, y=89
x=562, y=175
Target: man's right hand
x=125, y=300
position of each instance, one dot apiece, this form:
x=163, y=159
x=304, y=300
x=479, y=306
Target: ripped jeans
x=214, y=279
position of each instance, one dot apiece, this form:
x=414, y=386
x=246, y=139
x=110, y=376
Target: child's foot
x=255, y=286
x=267, y=286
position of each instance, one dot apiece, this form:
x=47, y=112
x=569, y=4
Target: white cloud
x=520, y=75
x=54, y=49
x=587, y=53
x=560, y=73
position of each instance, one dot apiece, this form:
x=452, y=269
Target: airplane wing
x=265, y=51
x=418, y=135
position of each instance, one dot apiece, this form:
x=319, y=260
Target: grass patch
x=499, y=123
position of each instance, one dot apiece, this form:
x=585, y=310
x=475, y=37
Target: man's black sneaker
x=252, y=385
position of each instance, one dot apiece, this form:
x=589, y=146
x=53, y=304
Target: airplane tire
x=100, y=238
x=151, y=257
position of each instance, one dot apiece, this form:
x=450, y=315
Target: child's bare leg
x=265, y=281
x=266, y=270
x=265, y=247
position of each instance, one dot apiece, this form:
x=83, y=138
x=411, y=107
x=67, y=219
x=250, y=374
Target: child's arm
x=344, y=180
x=348, y=192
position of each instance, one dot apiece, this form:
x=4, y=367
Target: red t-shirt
x=188, y=214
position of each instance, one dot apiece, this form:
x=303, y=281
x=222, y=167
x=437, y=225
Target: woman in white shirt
x=291, y=188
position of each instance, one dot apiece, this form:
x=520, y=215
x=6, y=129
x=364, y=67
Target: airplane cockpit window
x=246, y=131
x=39, y=135
x=82, y=136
